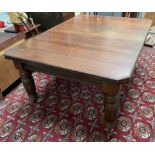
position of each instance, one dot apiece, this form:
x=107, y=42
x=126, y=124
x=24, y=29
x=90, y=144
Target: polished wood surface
x=102, y=46
x=101, y=50
x=7, y=39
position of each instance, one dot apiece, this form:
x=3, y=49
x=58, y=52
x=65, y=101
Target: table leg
x=111, y=103
x=28, y=82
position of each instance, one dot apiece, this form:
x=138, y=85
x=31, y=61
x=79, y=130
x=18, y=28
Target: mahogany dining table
x=97, y=49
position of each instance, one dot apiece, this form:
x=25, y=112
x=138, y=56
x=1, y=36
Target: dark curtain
x=46, y=19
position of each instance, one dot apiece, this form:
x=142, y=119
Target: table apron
x=65, y=73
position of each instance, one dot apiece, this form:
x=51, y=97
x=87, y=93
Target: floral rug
x=73, y=110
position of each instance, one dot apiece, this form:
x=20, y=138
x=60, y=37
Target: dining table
x=100, y=50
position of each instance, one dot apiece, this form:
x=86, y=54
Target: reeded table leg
x=28, y=82
x=111, y=103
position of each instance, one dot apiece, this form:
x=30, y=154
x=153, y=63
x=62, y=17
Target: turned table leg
x=28, y=82
x=111, y=103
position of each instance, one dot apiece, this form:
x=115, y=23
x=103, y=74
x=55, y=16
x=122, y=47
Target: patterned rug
x=73, y=110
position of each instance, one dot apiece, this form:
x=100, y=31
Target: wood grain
x=7, y=39
x=95, y=49
x=106, y=47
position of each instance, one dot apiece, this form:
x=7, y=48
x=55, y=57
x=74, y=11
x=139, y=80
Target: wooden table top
x=106, y=47
x=7, y=39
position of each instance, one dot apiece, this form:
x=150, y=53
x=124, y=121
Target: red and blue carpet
x=73, y=111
